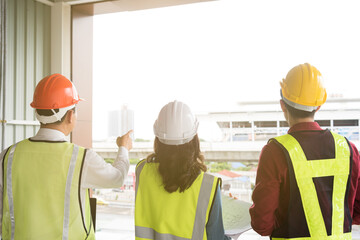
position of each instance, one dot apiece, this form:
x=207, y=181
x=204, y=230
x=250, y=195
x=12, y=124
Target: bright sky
x=212, y=55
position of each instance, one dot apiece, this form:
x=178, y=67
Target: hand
x=125, y=141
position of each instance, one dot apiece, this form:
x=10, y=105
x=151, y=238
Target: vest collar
x=52, y=135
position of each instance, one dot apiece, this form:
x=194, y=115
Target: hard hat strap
x=53, y=118
x=55, y=114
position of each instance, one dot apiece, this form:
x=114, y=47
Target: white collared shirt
x=96, y=172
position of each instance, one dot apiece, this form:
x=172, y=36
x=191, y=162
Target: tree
x=219, y=166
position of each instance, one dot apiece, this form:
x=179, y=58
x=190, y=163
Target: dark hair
x=296, y=113
x=179, y=165
x=48, y=112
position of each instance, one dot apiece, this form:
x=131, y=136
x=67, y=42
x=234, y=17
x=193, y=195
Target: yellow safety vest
x=170, y=216
x=41, y=191
x=305, y=171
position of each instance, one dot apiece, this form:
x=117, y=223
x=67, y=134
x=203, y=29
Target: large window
x=211, y=55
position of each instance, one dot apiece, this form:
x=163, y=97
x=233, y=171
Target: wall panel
x=2, y=64
x=9, y=71
x=27, y=61
x=19, y=74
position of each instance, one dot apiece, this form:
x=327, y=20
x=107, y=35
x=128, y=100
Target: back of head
x=54, y=95
x=302, y=89
x=177, y=147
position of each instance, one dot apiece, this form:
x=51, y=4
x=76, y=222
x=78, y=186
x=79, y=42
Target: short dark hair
x=296, y=113
x=48, y=112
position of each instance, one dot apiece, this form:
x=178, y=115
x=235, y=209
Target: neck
x=293, y=121
x=60, y=127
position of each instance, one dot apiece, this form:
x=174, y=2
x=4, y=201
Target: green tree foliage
x=134, y=161
x=243, y=168
x=109, y=160
x=141, y=140
x=219, y=166
x=131, y=160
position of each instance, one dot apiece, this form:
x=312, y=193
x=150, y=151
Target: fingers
x=125, y=140
x=129, y=132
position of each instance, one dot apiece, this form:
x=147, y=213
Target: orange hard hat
x=53, y=92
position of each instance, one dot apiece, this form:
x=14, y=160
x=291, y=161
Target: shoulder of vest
x=336, y=134
x=28, y=140
x=142, y=162
x=54, y=142
x=217, y=183
x=217, y=180
x=278, y=137
x=44, y=141
x=11, y=146
x=6, y=153
x=206, y=173
x=80, y=147
x=342, y=137
x=289, y=135
x=24, y=141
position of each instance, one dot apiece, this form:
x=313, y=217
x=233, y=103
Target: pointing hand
x=125, y=140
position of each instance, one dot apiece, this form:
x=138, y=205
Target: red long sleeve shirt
x=272, y=190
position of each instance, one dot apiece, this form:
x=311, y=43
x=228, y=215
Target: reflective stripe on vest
x=67, y=192
x=137, y=172
x=305, y=171
x=26, y=165
x=201, y=209
x=205, y=196
x=9, y=190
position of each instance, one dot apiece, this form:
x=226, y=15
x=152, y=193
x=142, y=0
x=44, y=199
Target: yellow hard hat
x=303, y=88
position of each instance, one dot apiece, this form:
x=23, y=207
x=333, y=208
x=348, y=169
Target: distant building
x=260, y=121
x=238, y=185
x=228, y=173
x=120, y=121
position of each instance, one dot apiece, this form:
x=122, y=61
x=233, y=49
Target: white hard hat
x=175, y=124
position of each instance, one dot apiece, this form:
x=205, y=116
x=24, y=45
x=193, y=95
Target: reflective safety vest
x=318, y=206
x=41, y=192
x=160, y=215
